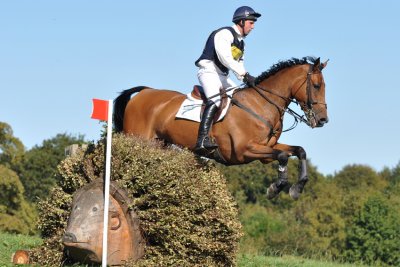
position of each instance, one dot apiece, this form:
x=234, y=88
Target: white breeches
x=211, y=82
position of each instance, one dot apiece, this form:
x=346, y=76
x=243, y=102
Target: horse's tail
x=120, y=104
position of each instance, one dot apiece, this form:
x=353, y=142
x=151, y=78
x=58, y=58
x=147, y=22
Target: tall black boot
x=204, y=143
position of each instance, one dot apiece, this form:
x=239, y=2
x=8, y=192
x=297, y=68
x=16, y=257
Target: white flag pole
x=107, y=183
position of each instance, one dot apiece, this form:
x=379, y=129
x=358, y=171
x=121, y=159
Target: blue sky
x=55, y=56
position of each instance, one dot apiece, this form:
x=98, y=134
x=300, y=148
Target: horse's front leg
x=267, y=154
x=297, y=188
x=275, y=188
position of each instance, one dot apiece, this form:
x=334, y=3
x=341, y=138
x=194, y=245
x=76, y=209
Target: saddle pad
x=190, y=108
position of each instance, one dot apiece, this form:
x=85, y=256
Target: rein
x=297, y=117
x=240, y=105
x=272, y=132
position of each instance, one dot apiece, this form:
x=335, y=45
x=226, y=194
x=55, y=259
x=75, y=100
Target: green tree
x=252, y=180
x=16, y=214
x=316, y=224
x=374, y=236
x=282, y=225
x=359, y=177
x=320, y=215
x=39, y=165
x=259, y=227
x=11, y=148
x=357, y=183
x=392, y=192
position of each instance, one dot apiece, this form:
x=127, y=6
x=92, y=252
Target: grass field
x=287, y=261
x=9, y=243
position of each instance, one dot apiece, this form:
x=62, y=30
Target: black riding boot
x=204, y=143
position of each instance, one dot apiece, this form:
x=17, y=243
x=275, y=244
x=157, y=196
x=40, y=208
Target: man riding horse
x=223, y=52
x=251, y=129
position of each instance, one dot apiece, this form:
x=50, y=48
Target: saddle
x=198, y=93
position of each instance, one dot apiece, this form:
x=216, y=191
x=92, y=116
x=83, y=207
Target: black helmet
x=246, y=13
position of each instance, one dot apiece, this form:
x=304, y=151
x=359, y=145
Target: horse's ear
x=317, y=64
x=323, y=65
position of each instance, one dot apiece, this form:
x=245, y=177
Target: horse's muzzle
x=322, y=121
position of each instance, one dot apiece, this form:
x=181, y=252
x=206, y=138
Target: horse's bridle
x=307, y=106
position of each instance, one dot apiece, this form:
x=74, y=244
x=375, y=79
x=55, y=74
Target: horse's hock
x=167, y=208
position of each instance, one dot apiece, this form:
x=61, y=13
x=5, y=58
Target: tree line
x=351, y=215
x=26, y=176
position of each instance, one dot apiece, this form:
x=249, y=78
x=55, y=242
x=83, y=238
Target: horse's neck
x=282, y=83
x=267, y=105
x=276, y=89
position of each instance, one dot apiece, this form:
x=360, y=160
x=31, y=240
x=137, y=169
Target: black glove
x=249, y=80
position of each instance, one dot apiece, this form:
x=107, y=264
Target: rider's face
x=248, y=27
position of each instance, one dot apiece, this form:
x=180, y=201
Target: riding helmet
x=246, y=13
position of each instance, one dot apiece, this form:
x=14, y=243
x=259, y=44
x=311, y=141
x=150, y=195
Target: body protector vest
x=237, y=49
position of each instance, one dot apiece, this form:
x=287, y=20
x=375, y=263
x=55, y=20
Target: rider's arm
x=222, y=41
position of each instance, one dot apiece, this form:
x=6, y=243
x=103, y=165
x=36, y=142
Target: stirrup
x=205, y=147
x=203, y=151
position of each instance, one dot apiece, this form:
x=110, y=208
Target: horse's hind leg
x=297, y=188
x=275, y=188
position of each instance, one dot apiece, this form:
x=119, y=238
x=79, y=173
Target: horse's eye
x=317, y=86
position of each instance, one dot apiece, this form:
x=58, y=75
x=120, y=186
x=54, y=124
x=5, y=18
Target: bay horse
x=251, y=128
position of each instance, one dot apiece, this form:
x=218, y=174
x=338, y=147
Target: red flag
x=100, y=109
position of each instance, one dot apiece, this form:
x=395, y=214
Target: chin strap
x=241, y=24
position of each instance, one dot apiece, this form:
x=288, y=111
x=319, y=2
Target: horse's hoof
x=272, y=191
x=295, y=192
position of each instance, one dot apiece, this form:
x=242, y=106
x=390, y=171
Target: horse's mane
x=282, y=65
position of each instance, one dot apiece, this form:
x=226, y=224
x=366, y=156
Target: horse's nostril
x=322, y=121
